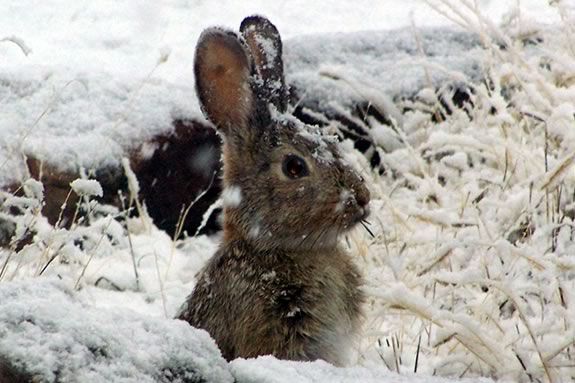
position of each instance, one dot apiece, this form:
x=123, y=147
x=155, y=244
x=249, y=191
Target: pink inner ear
x=222, y=77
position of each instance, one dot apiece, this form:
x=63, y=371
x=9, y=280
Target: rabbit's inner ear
x=265, y=46
x=222, y=70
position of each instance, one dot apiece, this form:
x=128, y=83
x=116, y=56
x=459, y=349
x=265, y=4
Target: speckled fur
x=279, y=284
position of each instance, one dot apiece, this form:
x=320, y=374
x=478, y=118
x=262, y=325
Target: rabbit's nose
x=362, y=195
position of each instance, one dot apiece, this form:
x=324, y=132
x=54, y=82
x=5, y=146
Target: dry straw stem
x=19, y=43
x=556, y=175
x=182, y=220
x=92, y=253
x=161, y=283
x=134, y=189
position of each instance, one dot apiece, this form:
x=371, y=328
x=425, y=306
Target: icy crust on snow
x=74, y=118
x=397, y=63
x=47, y=333
x=267, y=369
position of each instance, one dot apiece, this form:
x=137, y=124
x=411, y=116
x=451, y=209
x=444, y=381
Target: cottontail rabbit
x=279, y=284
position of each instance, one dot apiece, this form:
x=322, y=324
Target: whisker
x=367, y=228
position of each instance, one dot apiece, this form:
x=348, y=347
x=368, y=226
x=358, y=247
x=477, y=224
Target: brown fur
x=279, y=283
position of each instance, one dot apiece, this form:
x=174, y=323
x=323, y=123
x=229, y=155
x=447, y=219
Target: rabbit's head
x=285, y=185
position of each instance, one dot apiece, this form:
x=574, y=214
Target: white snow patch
x=267, y=369
x=255, y=231
x=344, y=197
x=87, y=188
x=232, y=196
x=46, y=330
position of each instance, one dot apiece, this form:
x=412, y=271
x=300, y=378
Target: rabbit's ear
x=265, y=46
x=222, y=68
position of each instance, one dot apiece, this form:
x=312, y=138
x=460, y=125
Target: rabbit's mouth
x=353, y=208
x=363, y=213
x=360, y=214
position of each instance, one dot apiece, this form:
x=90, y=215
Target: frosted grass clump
x=31, y=246
x=87, y=188
x=471, y=271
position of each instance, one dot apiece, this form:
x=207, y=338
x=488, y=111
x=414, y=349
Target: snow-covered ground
x=471, y=270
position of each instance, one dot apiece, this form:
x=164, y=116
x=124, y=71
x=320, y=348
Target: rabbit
x=279, y=283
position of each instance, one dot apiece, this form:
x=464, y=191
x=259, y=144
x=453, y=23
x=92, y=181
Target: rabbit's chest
x=321, y=304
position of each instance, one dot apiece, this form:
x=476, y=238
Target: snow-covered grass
x=470, y=271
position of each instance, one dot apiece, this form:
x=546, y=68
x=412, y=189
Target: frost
x=268, y=48
x=255, y=231
x=19, y=42
x=204, y=159
x=268, y=369
x=208, y=213
x=133, y=184
x=147, y=150
x=232, y=196
x=385, y=137
x=87, y=188
x=34, y=189
x=269, y=276
x=471, y=268
x=293, y=313
x=457, y=160
x=165, y=53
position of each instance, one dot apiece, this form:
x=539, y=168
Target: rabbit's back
x=293, y=306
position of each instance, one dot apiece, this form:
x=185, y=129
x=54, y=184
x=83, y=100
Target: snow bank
x=268, y=369
x=47, y=334
x=397, y=63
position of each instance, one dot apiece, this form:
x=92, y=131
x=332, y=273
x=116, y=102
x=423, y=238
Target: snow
x=87, y=187
x=127, y=72
x=232, y=196
x=267, y=369
x=470, y=267
x=47, y=331
x=51, y=332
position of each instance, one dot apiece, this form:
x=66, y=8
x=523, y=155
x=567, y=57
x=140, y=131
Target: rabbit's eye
x=294, y=166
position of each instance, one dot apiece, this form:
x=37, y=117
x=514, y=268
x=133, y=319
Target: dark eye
x=294, y=167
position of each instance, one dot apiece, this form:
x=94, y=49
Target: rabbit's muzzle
x=362, y=198
x=355, y=200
